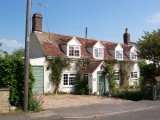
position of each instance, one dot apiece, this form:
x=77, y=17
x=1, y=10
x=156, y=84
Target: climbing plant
x=81, y=85
x=83, y=63
x=125, y=71
x=56, y=65
x=110, y=74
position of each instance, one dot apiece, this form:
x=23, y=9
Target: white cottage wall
x=69, y=70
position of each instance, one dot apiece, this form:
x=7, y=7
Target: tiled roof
x=126, y=47
x=51, y=42
x=92, y=67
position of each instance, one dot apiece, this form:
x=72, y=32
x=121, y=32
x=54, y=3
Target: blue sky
x=105, y=19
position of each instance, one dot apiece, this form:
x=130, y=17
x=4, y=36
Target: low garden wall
x=4, y=100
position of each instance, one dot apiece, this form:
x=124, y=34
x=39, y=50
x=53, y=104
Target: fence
x=152, y=92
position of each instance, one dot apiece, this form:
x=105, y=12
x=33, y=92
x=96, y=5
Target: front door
x=101, y=85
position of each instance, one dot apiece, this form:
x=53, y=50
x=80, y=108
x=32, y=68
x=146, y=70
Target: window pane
x=117, y=75
x=119, y=54
x=72, y=80
x=71, y=51
x=96, y=52
x=65, y=79
x=99, y=53
x=134, y=75
x=74, y=51
x=133, y=56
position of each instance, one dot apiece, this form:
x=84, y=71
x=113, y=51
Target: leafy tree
x=149, y=49
x=149, y=46
x=18, y=52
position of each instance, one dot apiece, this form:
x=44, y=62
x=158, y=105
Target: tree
x=149, y=49
x=18, y=52
x=149, y=46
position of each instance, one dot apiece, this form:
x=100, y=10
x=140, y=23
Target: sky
x=105, y=19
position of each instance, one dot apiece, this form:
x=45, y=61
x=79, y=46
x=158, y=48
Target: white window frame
x=75, y=48
x=69, y=79
x=134, y=75
x=120, y=54
x=98, y=53
x=117, y=75
x=133, y=56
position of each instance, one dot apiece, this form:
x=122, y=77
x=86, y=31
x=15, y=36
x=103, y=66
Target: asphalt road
x=150, y=114
x=141, y=110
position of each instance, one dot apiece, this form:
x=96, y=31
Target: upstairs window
x=134, y=75
x=133, y=56
x=99, y=53
x=117, y=75
x=74, y=51
x=119, y=55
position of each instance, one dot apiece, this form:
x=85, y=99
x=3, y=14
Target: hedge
x=12, y=77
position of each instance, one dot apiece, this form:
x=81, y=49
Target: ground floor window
x=117, y=75
x=69, y=79
x=134, y=75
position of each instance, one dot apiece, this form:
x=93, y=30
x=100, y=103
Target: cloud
x=10, y=45
x=153, y=19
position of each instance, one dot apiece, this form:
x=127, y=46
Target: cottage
x=46, y=45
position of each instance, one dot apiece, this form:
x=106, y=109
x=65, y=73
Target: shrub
x=12, y=76
x=35, y=103
x=132, y=95
x=82, y=88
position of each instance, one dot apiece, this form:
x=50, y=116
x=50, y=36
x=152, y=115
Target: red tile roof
x=92, y=67
x=51, y=42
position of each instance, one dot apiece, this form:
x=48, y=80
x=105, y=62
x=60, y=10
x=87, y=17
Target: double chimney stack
x=37, y=26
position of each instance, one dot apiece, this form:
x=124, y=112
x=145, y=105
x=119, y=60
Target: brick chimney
x=37, y=22
x=126, y=37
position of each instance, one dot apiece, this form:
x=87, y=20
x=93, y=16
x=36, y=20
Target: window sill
x=68, y=86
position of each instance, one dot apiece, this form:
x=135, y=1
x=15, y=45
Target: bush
x=81, y=86
x=132, y=95
x=12, y=76
x=35, y=103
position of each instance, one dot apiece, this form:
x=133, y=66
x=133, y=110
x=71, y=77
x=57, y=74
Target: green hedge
x=12, y=77
x=132, y=95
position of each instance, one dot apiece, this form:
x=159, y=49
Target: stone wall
x=4, y=100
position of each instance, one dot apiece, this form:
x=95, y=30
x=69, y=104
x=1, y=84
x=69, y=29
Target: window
x=134, y=75
x=119, y=54
x=69, y=79
x=117, y=75
x=133, y=56
x=98, y=53
x=74, y=51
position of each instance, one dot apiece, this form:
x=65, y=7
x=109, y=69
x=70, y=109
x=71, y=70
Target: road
x=149, y=114
x=141, y=110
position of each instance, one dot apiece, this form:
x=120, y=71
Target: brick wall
x=4, y=102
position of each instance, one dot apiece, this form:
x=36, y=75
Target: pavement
x=87, y=111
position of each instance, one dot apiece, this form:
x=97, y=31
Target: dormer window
x=99, y=53
x=74, y=51
x=133, y=56
x=119, y=55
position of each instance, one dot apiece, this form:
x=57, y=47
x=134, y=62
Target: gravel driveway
x=68, y=100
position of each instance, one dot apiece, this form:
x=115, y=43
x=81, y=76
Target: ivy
x=57, y=64
x=81, y=85
x=125, y=71
x=110, y=74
